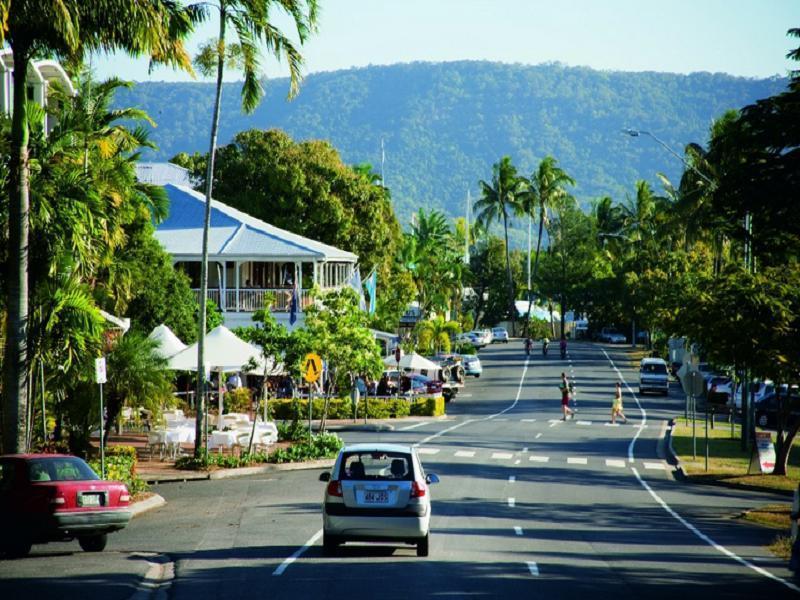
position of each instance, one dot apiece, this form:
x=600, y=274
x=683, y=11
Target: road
x=528, y=506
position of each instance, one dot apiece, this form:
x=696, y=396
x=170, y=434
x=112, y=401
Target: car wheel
x=16, y=548
x=423, y=545
x=477, y=376
x=330, y=543
x=762, y=420
x=93, y=543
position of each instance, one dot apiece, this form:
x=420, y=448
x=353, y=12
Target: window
x=377, y=466
x=654, y=369
x=60, y=469
x=6, y=475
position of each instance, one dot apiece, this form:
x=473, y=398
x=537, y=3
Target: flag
x=355, y=283
x=295, y=305
x=370, y=285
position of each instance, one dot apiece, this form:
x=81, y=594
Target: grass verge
x=727, y=462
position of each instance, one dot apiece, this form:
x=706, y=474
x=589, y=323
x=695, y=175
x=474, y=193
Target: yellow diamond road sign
x=312, y=367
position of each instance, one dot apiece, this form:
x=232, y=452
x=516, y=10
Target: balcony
x=251, y=300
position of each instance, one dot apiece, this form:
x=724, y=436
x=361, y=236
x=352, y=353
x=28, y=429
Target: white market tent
x=168, y=343
x=224, y=352
x=413, y=362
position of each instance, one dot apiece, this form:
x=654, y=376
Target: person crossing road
x=565, y=393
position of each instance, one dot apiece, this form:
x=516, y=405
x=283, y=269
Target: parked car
x=485, y=335
x=452, y=367
x=472, y=366
x=766, y=411
x=499, y=334
x=760, y=389
x=611, y=336
x=653, y=376
x=473, y=338
x=57, y=497
x=707, y=371
x=377, y=493
x=720, y=388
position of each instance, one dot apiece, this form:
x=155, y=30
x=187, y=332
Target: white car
x=377, y=493
x=653, y=376
x=762, y=388
x=499, y=334
x=612, y=336
x=471, y=337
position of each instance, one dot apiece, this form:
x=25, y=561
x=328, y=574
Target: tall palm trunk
x=511, y=304
x=16, y=348
x=535, y=267
x=201, y=336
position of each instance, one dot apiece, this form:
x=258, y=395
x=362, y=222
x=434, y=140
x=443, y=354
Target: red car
x=57, y=497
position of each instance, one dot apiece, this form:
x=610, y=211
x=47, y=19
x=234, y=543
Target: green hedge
x=121, y=466
x=378, y=408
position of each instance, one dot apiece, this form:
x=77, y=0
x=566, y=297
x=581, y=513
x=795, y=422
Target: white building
x=248, y=260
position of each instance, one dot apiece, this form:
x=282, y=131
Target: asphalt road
x=528, y=506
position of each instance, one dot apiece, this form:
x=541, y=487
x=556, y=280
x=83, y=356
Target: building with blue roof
x=249, y=261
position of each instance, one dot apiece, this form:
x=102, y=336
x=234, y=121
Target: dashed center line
x=576, y=460
x=502, y=455
x=615, y=462
x=541, y=459
x=465, y=453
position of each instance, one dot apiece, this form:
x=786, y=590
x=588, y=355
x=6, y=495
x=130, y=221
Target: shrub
x=237, y=401
x=121, y=466
x=428, y=407
x=291, y=431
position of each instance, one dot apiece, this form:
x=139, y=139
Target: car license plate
x=90, y=500
x=376, y=497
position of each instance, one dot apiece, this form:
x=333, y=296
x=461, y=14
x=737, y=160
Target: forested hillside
x=444, y=124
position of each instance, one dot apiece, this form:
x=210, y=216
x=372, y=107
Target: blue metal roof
x=233, y=233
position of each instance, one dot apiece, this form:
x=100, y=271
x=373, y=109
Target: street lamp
x=687, y=164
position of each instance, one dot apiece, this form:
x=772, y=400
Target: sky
x=740, y=37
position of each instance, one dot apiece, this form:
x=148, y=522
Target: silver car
x=377, y=493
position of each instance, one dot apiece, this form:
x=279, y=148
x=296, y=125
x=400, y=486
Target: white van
x=653, y=376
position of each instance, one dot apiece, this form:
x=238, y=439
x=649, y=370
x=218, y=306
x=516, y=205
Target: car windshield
x=60, y=469
x=377, y=466
x=654, y=369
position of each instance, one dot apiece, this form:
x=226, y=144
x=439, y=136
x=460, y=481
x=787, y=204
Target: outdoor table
x=223, y=439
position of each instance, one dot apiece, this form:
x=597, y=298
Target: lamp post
x=663, y=144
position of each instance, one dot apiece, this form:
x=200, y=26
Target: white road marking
x=533, y=568
x=512, y=478
x=414, y=426
x=584, y=423
x=502, y=455
x=538, y=435
x=615, y=462
x=428, y=450
x=656, y=466
x=612, y=424
x=511, y=502
x=554, y=423
x=528, y=420
x=525, y=449
x=465, y=395
x=680, y=519
x=501, y=419
x=518, y=530
x=576, y=460
x=551, y=421
x=516, y=462
x=708, y=540
x=541, y=459
x=465, y=453
x=285, y=564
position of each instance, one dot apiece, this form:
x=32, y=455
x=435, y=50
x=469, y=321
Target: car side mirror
x=432, y=478
x=325, y=476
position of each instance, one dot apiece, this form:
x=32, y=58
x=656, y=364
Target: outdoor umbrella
x=224, y=351
x=413, y=362
x=168, y=343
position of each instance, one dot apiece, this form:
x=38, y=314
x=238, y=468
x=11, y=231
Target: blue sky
x=740, y=37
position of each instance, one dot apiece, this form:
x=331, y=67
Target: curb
x=361, y=427
x=242, y=472
x=154, y=501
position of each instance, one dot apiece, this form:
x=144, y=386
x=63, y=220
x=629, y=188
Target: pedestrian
x=616, y=406
x=564, y=388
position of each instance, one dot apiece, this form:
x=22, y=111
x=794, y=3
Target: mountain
x=445, y=124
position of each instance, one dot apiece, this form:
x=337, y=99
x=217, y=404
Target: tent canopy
x=224, y=351
x=168, y=343
x=412, y=361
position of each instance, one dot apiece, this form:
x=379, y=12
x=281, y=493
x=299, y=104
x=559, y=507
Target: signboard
x=312, y=367
x=766, y=451
x=100, y=370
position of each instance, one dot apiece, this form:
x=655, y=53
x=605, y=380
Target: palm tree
x=69, y=28
x=252, y=21
x=497, y=200
x=434, y=335
x=545, y=188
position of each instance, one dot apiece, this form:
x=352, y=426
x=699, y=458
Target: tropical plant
x=434, y=335
x=499, y=198
x=253, y=24
x=69, y=28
